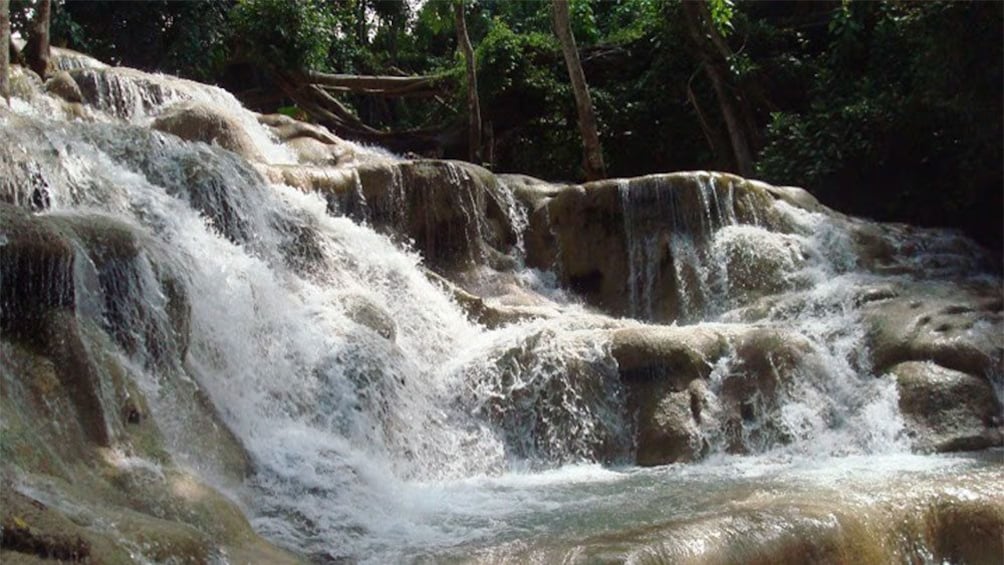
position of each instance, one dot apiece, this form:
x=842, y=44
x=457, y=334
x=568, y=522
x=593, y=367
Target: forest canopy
x=885, y=109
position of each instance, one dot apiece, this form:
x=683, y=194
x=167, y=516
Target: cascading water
x=380, y=422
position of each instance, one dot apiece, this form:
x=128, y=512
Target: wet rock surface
x=791, y=324
x=62, y=84
x=958, y=325
x=589, y=234
x=948, y=410
x=199, y=122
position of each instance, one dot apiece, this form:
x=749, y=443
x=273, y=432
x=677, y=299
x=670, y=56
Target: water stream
x=428, y=436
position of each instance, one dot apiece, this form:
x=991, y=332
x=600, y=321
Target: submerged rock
x=365, y=312
x=909, y=519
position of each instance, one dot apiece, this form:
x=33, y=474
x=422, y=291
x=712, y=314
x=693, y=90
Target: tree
x=714, y=54
x=593, y=152
x=36, y=50
x=5, y=49
x=473, y=104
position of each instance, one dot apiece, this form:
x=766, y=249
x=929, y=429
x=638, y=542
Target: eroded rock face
x=36, y=271
x=947, y=410
x=62, y=84
x=689, y=387
x=959, y=325
x=453, y=213
x=664, y=370
x=617, y=242
x=198, y=122
x=78, y=435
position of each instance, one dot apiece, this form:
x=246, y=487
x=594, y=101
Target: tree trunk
x=362, y=29
x=389, y=86
x=5, y=49
x=592, y=152
x=36, y=51
x=713, y=53
x=473, y=103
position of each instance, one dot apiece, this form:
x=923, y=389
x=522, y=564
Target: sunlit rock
x=948, y=410
x=62, y=84
x=197, y=122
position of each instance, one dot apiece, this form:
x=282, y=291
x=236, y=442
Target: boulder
x=62, y=84
x=958, y=325
x=679, y=409
x=664, y=369
x=669, y=423
x=286, y=128
x=326, y=180
x=192, y=121
x=947, y=410
x=677, y=354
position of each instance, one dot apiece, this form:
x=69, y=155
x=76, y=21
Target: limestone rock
x=198, y=122
x=286, y=128
x=326, y=180
x=311, y=151
x=62, y=84
x=679, y=354
x=959, y=326
x=36, y=271
x=947, y=410
x=667, y=370
x=588, y=233
x=490, y=313
x=452, y=212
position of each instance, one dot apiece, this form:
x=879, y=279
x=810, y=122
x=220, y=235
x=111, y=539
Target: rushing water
x=429, y=435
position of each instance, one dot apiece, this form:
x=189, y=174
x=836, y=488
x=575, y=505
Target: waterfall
x=359, y=388
x=333, y=412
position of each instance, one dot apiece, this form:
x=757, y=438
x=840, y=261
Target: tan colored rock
x=666, y=371
x=62, y=84
x=490, y=313
x=679, y=354
x=583, y=232
x=311, y=151
x=947, y=410
x=333, y=182
x=198, y=122
x=669, y=423
x=959, y=326
x=286, y=128
x=453, y=212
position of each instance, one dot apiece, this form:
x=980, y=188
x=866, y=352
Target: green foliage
x=890, y=109
x=284, y=34
x=185, y=38
x=904, y=121
x=520, y=83
x=721, y=14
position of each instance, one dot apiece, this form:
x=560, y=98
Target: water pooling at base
x=382, y=424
